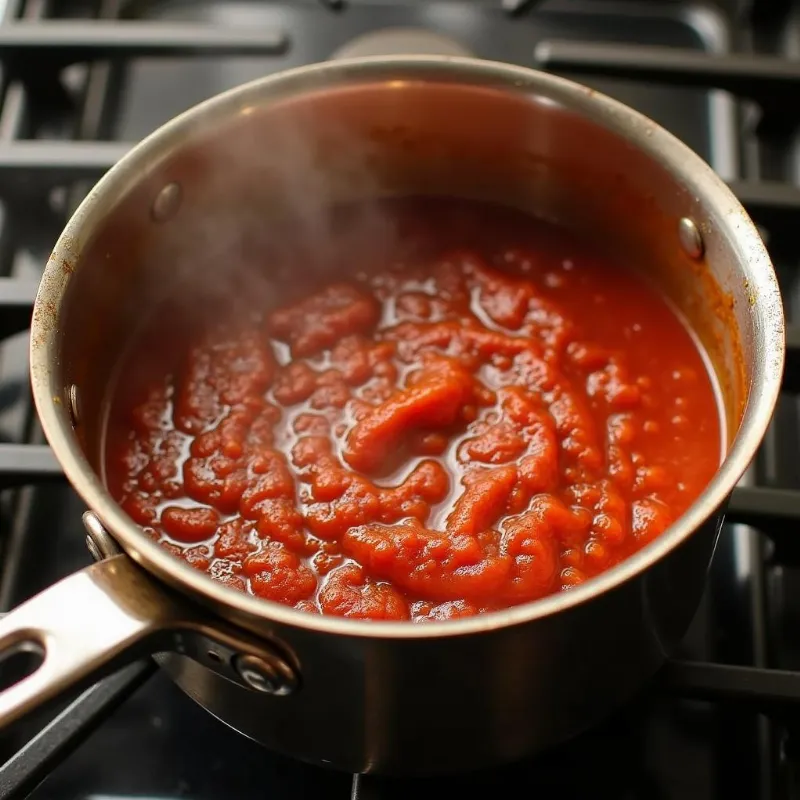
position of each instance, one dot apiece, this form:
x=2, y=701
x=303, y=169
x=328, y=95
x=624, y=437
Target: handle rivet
x=99, y=541
x=74, y=405
x=690, y=238
x=167, y=202
x=267, y=677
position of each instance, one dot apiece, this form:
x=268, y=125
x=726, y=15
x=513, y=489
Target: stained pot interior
x=266, y=173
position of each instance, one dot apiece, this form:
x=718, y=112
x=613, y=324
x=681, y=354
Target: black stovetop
x=73, y=100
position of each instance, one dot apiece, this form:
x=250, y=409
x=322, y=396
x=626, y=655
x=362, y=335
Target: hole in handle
x=19, y=661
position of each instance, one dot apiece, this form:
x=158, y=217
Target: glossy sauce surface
x=485, y=414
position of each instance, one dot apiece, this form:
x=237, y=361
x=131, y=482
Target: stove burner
x=401, y=41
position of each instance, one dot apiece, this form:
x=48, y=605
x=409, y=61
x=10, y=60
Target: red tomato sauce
x=484, y=414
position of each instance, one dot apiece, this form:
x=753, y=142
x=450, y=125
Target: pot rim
x=640, y=131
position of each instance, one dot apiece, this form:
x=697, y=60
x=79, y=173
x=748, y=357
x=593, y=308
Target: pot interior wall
x=255, y=192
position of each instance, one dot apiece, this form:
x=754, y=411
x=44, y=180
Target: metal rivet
x=167, y=202
x=99, y=541
x=74, y=404
x=690, y=238
x=268, y=677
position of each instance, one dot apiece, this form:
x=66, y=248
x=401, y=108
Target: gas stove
x=83, y=81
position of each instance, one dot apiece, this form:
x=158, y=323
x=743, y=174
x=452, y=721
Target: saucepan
x=369, y=696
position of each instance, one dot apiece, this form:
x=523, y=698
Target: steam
x=284, y=200
x=274, y=206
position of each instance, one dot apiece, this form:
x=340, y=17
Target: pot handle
x=110, y=614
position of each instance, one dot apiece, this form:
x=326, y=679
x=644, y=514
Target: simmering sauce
x=478, y=414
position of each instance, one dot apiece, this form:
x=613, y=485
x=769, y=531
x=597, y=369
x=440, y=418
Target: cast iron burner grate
x=58, y=134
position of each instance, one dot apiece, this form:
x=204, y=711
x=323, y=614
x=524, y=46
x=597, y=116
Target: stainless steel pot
x=371, y=696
